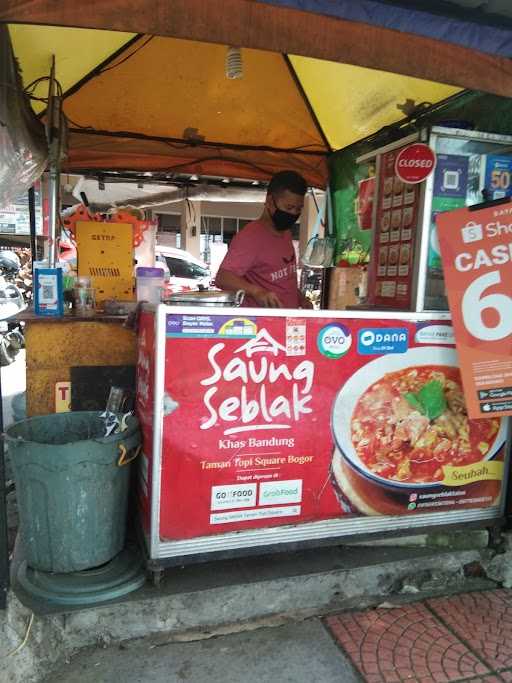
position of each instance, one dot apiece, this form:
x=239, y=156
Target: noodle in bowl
x=401, y=418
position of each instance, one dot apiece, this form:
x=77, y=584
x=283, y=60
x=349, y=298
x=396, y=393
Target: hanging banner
x=476, y=251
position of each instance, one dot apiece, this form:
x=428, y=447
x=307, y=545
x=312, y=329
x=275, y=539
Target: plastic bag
x=319, y=252
x=23, y=148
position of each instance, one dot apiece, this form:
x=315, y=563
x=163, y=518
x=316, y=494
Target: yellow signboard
x=105, y=254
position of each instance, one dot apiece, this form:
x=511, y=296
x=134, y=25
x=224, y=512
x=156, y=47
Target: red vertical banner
x=395, y=233
x=476, y=251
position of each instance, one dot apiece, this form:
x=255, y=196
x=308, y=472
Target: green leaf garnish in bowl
x=429, y=400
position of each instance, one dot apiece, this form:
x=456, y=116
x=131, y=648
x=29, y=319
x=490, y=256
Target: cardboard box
x=344, y=286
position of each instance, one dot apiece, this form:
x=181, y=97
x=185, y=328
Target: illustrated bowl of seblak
x=400, y=426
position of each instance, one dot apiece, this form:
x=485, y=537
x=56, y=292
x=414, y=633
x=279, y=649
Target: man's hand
x=232, y=283
x=304, y=302
x=265, y=298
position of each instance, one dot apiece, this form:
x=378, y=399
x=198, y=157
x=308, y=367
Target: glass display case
x=472, y=167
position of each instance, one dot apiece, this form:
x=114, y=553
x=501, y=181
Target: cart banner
x=314, y=418
x=476, y=250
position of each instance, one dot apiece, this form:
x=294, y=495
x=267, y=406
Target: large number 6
x=474, y=304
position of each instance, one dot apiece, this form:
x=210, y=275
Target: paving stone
x=483, y=621
x=405, y=644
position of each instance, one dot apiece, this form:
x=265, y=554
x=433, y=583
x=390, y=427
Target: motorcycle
x=12, y=339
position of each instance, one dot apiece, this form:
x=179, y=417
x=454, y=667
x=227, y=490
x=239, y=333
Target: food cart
x=268, y=429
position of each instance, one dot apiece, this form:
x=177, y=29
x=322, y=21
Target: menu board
x=275, y=420
x=395, y=233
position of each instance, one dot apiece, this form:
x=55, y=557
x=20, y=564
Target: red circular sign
x=415, y=163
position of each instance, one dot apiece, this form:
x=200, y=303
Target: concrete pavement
x=291, y=653
x=462, y=638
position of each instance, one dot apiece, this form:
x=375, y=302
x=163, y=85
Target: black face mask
x=283, y=220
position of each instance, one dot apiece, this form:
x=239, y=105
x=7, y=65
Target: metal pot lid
x=207, y=297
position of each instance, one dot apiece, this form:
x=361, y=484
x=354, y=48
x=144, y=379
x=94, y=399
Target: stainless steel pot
x=206, y=298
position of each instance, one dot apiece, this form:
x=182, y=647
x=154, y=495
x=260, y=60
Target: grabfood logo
x=253, y=374
x=334, y=340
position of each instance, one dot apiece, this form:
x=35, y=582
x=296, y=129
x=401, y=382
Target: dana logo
x=472, y=232
x=367, y=337
x=334, y=340
x=374, y=341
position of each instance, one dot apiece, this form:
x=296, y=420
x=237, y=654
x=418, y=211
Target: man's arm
x=231, y=282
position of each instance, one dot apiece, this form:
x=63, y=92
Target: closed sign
x=415, y=163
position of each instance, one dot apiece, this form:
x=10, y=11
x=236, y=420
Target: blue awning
x=442, y=21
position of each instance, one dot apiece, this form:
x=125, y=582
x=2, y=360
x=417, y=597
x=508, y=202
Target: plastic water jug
x=150, y=282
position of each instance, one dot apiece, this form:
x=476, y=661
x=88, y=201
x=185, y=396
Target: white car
x=183, y=272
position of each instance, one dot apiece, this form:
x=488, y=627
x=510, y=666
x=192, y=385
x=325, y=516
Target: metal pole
x=54, y=147
x=4, y=540
x=32, y=221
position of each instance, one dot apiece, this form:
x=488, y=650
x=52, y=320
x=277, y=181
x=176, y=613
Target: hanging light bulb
x=234, y=66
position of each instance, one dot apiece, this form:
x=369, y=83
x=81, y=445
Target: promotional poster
x=273, y=420
x=476, y=249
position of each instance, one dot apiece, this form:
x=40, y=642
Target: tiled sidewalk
x=465, y=637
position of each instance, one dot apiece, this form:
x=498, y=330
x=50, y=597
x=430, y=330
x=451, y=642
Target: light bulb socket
x=234, y=66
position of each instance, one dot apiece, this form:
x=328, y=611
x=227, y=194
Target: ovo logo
x=334, y=340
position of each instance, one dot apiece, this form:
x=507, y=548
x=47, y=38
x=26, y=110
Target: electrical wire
x=24, y=641
x=29, y=89
x=78, y=125
x=316, y=203
x=176, y=143
x=191, y=210
x=125, y=59
x=322, y=220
